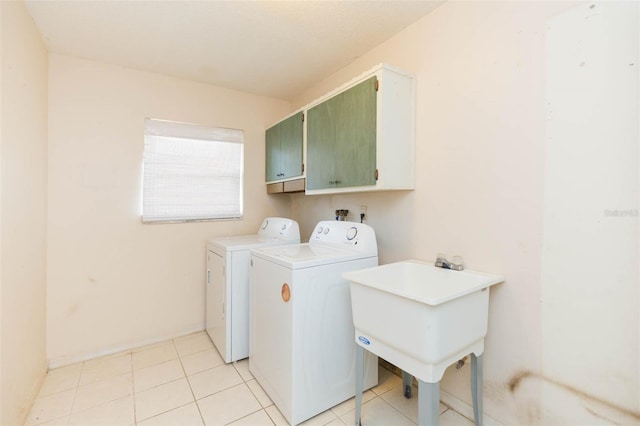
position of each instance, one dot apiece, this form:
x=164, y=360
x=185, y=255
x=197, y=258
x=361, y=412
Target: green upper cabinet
x=361, y=137
x=341, y=139
x=284, y=149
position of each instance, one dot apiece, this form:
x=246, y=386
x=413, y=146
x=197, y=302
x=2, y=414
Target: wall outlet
x=363, y=213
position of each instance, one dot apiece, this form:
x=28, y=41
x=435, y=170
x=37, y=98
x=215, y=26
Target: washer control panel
x=354, y=235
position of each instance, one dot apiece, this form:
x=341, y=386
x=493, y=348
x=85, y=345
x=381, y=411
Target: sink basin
x=420, y=317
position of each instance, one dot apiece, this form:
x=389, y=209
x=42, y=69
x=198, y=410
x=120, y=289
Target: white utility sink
x=420, y=317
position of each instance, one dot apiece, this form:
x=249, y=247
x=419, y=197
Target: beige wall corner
x=23, y=196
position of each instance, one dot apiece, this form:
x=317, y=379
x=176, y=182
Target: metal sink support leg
x=428, y=403
x=359, y=382
x=428, y=399
x=476, y=388
x=428, y=393
x=407, y=382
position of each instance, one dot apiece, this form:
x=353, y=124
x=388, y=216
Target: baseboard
x=465, y=409
x=62, y=361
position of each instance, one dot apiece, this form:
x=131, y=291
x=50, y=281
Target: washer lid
x=299, y=256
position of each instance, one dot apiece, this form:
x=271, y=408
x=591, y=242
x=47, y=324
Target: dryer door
x=216, y=303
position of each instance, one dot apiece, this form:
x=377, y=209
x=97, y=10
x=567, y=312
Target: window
x=191, y=172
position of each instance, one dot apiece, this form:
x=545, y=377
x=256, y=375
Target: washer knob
x=326, y=230
x=319, y=231
x=264, y=224
x=351, y=233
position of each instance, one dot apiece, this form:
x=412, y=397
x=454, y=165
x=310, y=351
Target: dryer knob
x=264, y=224
x=326, y=230
x=319, y=231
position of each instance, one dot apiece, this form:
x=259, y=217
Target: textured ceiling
x=272, y=48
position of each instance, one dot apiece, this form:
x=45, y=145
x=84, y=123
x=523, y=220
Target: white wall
x=23, y=169
x=113, y=282
x=590, y=244
x=480, y=193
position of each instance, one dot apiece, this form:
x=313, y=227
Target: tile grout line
x=398, y=410
x=186, y=377
x=133, y=390
x=75, y=389
x=155, y=386
x=268, y=415
x=75, y=394
x=235, y=366
x=254, y=395
x=188, y=382
x=165, y=412
x=171, y=381
x=105, y=402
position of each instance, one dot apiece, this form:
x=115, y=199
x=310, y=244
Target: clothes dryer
x=227, y=289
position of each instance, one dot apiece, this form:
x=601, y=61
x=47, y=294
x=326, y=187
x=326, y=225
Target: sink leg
x=407, y=381
x=428, y=403
x=476, y=388
x=359, y=382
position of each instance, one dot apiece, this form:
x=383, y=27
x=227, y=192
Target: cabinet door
x=341, y=139
x=291, y=146
x=321, y=146
x=272, y=147
x=284, y=149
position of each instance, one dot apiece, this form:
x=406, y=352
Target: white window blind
x=191, y=172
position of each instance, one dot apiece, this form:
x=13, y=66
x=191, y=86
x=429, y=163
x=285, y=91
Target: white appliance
x=302, y=347
x=227, y=310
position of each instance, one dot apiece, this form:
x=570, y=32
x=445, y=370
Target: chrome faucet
x=455, y=263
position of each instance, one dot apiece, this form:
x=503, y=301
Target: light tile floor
x=185, y=382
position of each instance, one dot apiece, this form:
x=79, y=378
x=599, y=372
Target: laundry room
x=523, y=162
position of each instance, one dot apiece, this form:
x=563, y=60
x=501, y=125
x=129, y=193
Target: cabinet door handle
x=335, y=182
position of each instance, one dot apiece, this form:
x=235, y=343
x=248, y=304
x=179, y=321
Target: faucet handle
x=441, y=260
x=456, y=263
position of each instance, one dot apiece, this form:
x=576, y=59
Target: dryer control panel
x=279, y=228
x=358, y=236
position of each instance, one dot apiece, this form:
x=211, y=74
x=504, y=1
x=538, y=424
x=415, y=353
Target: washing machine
x=302, y=349
x=227, y=290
